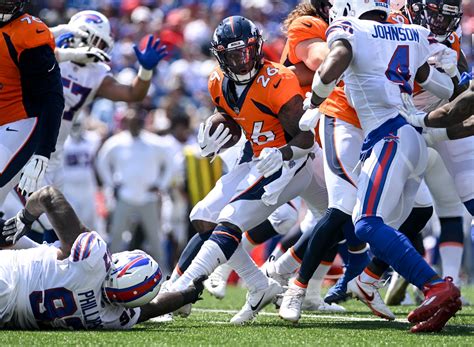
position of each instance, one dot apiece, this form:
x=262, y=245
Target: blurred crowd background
x=177, y=101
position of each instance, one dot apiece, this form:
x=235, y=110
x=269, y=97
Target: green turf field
x=208, y=326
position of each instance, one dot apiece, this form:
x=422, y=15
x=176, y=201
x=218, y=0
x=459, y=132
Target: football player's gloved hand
x=152, y=54
x=82, y=55
x=269, y=161
x=194, y=291
x=16, y=227
x=32, y=174
x=448, y=61
x=311, y=116
x=211, y=144
x=66, y=29
x=413, y=116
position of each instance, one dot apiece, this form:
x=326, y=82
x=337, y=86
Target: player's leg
x=387, y=187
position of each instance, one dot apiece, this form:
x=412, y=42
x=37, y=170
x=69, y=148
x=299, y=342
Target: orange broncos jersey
x=307, y=28
x=453, y=39
x=21, y=34
x=257, y=107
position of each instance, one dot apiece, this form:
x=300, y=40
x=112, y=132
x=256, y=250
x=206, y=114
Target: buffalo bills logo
x=91, y=18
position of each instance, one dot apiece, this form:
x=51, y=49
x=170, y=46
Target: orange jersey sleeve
x=396, y=17
x=31, y=32
x=302, y=29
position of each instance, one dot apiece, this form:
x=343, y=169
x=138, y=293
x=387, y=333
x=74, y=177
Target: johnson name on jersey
x=385, y=59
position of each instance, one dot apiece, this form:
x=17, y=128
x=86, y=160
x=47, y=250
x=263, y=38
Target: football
x=235, y=129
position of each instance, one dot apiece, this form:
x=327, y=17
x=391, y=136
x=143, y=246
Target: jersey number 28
x=398, y=70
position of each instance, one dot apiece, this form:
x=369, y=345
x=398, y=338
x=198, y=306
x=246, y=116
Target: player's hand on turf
x=310, y=117
x=198, y=286
x=16, y=227
x=413, y=116
x=67, y=29
x=269, y=161
x=32, y=175
x=211, y=144
x=152, y=55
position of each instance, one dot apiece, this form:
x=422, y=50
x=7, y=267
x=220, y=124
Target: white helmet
x=98, y=27
x=340, y=8
x=357, y=8
x=133, y=279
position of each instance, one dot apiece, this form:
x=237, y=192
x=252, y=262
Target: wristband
x=144, y=74
x=321, y=89
x=27, y=217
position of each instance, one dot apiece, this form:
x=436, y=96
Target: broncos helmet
x=322, y=7
x=9, y=8
x=237, y=45
x=133, y=279
x=97, y=26
x=442, y=17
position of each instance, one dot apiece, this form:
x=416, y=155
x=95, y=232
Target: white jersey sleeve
x=88, y=251
x=341, y=29
x=118, y=317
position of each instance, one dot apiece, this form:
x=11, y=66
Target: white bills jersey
x=80, y=85
x=385, y=60
x=38, y=290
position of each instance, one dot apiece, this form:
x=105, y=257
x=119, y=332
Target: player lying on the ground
x=76, y=283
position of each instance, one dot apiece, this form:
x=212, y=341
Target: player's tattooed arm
x=114, y=90
x=289, y=117
x=64, y=220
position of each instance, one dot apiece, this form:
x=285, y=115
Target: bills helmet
x=133, y=279
x=356, y=8
x=322, y=8
x=237, y=45
x=441, y=17
x=9, y=8
x=97, y=26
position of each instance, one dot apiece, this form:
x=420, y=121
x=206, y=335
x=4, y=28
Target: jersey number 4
x=398, y=70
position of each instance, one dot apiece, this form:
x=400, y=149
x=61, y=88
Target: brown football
x=235, y=129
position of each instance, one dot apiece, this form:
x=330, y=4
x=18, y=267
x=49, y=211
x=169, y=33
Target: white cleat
x=270, y=271
x=369, y=295
x=184, y=311
x=256, y=301
x=216, y=284
x=292, y=302
x=318, y=304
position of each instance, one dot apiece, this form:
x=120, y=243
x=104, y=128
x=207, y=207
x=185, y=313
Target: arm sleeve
x=90, y=251
x=42, y=94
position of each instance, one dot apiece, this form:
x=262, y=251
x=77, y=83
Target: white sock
x=315, y=283
x=451, y=258
x=223, y=271
x=278, y=252
x=367, y=278
x=174, y=275
x=207, y=260
x=246, y=268
x=287, y=263
x=246, y=243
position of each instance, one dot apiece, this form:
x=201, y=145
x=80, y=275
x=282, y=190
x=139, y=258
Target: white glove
x=66, y=28
x=413, y=116
x=311, y=116
x=16, y=227
x=211, y=144
x=269, y=161
x=448, y=61
x=32, y=174
x=82, y=55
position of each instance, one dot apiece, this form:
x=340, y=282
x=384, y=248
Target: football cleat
x=292, y=302
x=396, y=290
x=184, y=311
x=337, y=293
x=369, y=295
x=437, y=296
x=256, y=301
x=317, y=304
x=270, y=271
x=437, y=321
x=216, y=284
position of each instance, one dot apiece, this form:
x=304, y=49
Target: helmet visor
x=241, y=61
x=9, y=7
x=442, y=21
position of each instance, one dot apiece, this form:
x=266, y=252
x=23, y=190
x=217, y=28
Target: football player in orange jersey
x=265, y=99
x=31, y=98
